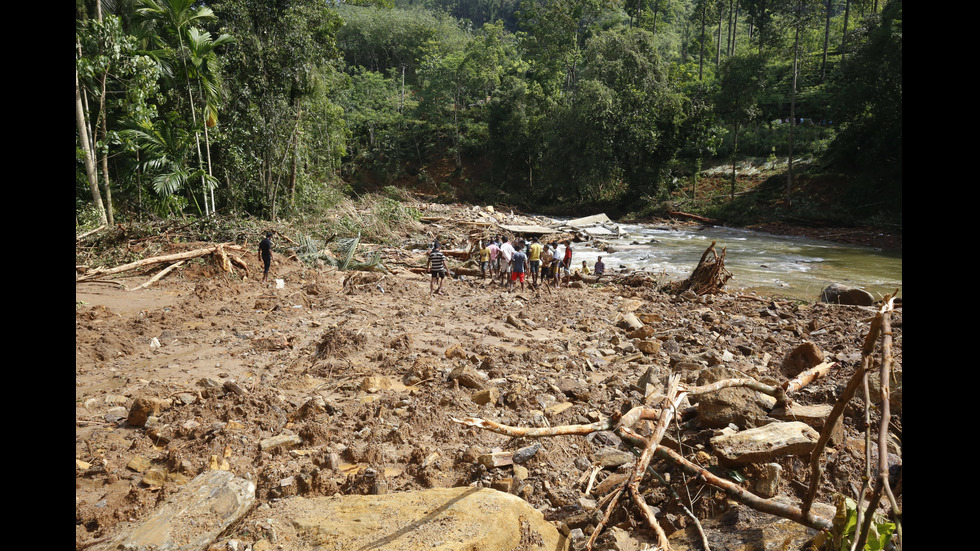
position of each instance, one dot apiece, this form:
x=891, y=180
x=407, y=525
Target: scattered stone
x=744, y=529
x=503, y=485
x=644, y=332
x=468, y=377
x=138, y=463
x=555, y=409
x=628, y=321
x=486, y=396
x=768, y=483
x=813, y=416
x=512, y=320
x=455, y=352
x=803, y=357
x=234, y=387
x=496, y=459
x=154, y=477
x=765, y=444
x=281, y=441
x=522, y=455
x=649, y=346
x=141, y=410
x=275, y=342
x=651, y=318
x=740, y=406
x=376, y=384
x=610, y=458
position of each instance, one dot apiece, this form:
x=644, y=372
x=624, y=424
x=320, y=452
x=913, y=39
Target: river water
x=786, y=266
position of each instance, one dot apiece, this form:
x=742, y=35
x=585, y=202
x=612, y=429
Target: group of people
x=509, y=263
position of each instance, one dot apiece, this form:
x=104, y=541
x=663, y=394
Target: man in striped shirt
x=438, y=268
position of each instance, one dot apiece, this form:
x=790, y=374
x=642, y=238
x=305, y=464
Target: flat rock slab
x=193, y=517
x=765, y=444
x=443, y=519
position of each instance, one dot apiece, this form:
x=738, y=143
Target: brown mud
x=362, y=374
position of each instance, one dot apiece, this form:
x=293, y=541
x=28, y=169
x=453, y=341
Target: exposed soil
x=238, y=362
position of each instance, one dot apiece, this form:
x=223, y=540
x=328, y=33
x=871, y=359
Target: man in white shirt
x=507, y=251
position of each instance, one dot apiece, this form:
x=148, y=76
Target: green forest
x=279, y=108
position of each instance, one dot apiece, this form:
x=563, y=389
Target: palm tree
x=166, y=148
x=201, y=50
x=174, y=19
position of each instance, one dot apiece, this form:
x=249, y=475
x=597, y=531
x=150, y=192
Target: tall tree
x=868, y=108
x=201, y=51
x=800, y=16
x=742, y=83
x=280, y=70
x=121, y=81
x=617, y=137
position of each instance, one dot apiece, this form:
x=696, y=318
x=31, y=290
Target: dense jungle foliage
x=275, y=108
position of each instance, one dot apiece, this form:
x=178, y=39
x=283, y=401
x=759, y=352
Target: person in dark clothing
x=265, y=254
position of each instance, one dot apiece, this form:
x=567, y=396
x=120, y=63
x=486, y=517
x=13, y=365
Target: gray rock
x=193, y=517
x=842, y=294
x=611, y=458
x=768, y=483
x=765, y=444
x=740, y=406
x=281, y=441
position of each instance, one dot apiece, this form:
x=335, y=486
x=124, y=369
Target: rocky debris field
x=326, y=387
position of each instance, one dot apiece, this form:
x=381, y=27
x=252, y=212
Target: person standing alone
x=265, y=255
x=437, y=268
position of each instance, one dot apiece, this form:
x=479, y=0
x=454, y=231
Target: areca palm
x=175, y=19
x=201, y=49
x=166, y=148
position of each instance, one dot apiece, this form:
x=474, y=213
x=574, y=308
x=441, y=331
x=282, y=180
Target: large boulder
x=842, y=294
x=193, y=517
x=765, y=444
x=442, y=519
x=739, y=406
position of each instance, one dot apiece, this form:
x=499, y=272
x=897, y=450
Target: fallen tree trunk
x=678, y=214
x=196, y=253
x=157, y=277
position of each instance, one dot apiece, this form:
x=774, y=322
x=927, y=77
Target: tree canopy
x=267, y=108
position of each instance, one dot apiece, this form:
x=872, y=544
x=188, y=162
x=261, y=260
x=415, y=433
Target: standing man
x=265, y=255
x=534, y=257
x=568, y=258
x=519, y=262
x=546, y=257
x=507, y=251
x=494, y=260
x=484, y=259
x=436, y=266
